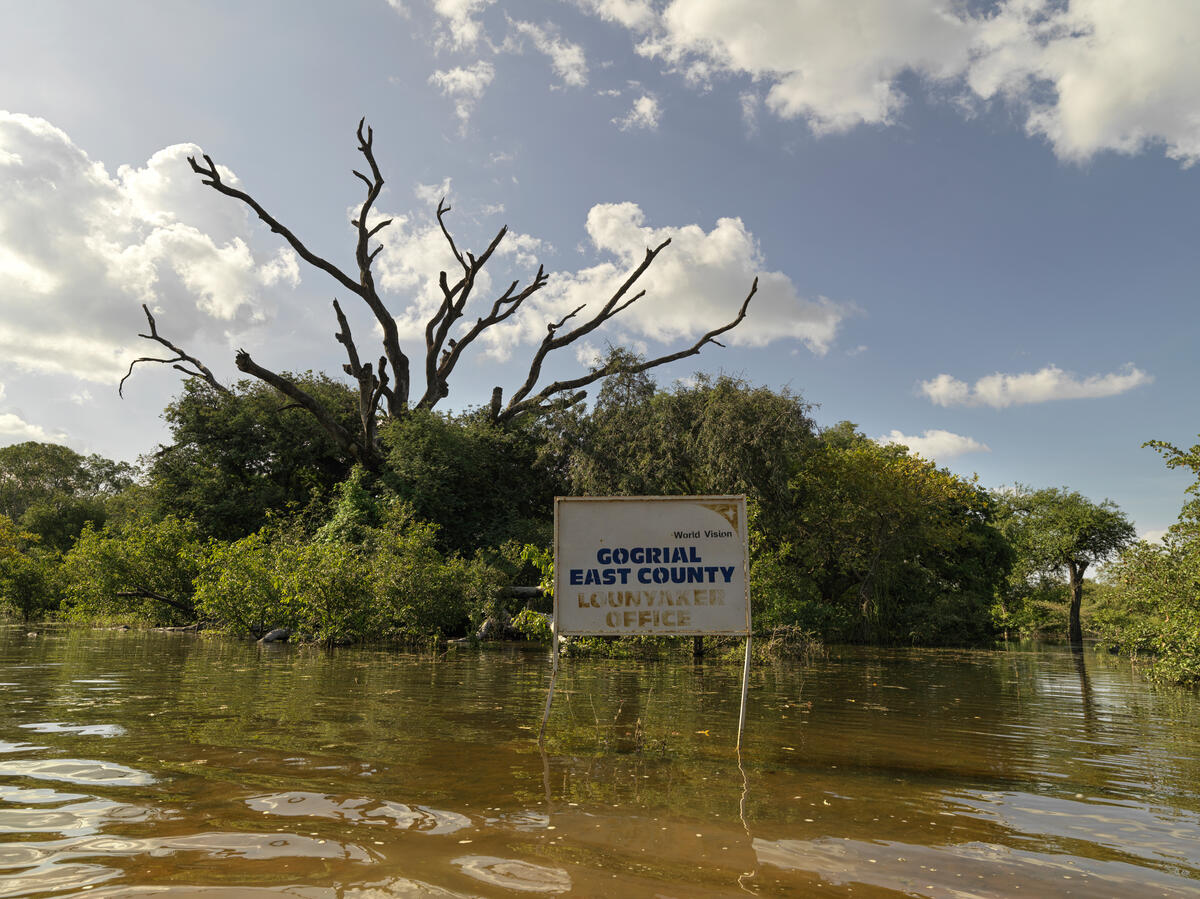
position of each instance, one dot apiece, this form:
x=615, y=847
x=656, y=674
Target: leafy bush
x=1155, y=615
x=141, y=569
x=533, y=626
x=240, y=585
x=27, y=588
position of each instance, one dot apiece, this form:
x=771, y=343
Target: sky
x=974, y=223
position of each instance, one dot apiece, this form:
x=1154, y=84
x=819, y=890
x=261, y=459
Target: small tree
x=1053, y=530
x=385, y=389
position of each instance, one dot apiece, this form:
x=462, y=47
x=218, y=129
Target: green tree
x=239, y=455
x=52, y=491
x=480, y=483
x=710, y=435
x=903, y=549
x=26, y=573
x=1055, y=530
x=239, y=585
x=1153, y=606
x=141, y=569
x=1157, y=614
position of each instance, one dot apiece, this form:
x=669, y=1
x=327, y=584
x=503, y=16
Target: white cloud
x=1097, y=74
x=566, y=58
x=833, y=63
x=1154, y=535
x=14, y=429
x=644, y=114
x=464, y=85
x=82, y=249
x=588, y=354
x=431, y=194
x=936, y=443
x=462, y=29
x=1050, y=383
x=750, y=104
x=695, y=284
x=635, y=14
x=1087, y=75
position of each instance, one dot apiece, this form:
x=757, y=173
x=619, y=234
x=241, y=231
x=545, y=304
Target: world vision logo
x=728, y=511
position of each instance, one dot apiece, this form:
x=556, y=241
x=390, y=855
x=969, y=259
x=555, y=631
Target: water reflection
x=513, y=874
x=359, y=810
x=180, y=766
x=75, y=771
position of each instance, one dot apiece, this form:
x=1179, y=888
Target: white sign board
x=651, y=565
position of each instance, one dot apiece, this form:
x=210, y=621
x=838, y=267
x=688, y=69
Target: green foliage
x=1053, y=531
x=326, y=591
x=353, y=582
x=1158, y=617
x=252, y=520
x=27, y=588
x=52, y=491
x=141, y=569
x=355, y=510
x=421, y=591
x=1153, y=611
x=543, y=561
x=895, y=548
x=237, y=458
x=479, y=483
x=1036, y=608
x=533, y=625
x=710, y=436
x=240, y=585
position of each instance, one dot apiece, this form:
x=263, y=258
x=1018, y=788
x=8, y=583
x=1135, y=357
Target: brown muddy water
x=144, y=764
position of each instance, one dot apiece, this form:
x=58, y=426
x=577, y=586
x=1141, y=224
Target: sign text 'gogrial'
x=651, y=565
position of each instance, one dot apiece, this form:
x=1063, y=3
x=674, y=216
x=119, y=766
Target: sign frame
x=670, y=540
x=620, y=542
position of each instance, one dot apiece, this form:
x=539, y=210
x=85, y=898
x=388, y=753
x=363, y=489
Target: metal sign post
x=650, y=566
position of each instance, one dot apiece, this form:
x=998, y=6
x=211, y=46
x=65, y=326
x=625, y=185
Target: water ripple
x=513, y=874
x=359, y=810
x=76, y=771
x=84, y=730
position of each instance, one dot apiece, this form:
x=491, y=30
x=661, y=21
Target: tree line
x=363, y=512
x=252, y=517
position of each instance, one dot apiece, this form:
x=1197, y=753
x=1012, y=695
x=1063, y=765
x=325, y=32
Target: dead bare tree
x=383, y=395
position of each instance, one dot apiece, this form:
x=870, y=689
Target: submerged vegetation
x=251, y=520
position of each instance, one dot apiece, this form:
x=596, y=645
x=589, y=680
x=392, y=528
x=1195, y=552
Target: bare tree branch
x=368, y=383
x=201, y=370
x=364, y=286
x=440, y=361
x=553, y=341
x=383, y=393
x=212, y=177
x=365, y=454
x=139, y=592
x=542, y=400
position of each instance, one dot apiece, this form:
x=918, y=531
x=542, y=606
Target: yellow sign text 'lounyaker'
x=651, y=565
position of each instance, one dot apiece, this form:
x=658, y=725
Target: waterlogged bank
x=152, y=764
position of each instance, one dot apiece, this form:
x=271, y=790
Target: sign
x=651, y=565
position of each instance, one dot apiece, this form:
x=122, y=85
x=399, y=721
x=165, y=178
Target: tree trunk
x=1075, y=631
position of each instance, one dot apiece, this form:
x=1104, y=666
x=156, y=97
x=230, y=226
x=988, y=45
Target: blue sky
x=975, y=223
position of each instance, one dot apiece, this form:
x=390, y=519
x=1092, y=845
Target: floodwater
x=147, y=764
